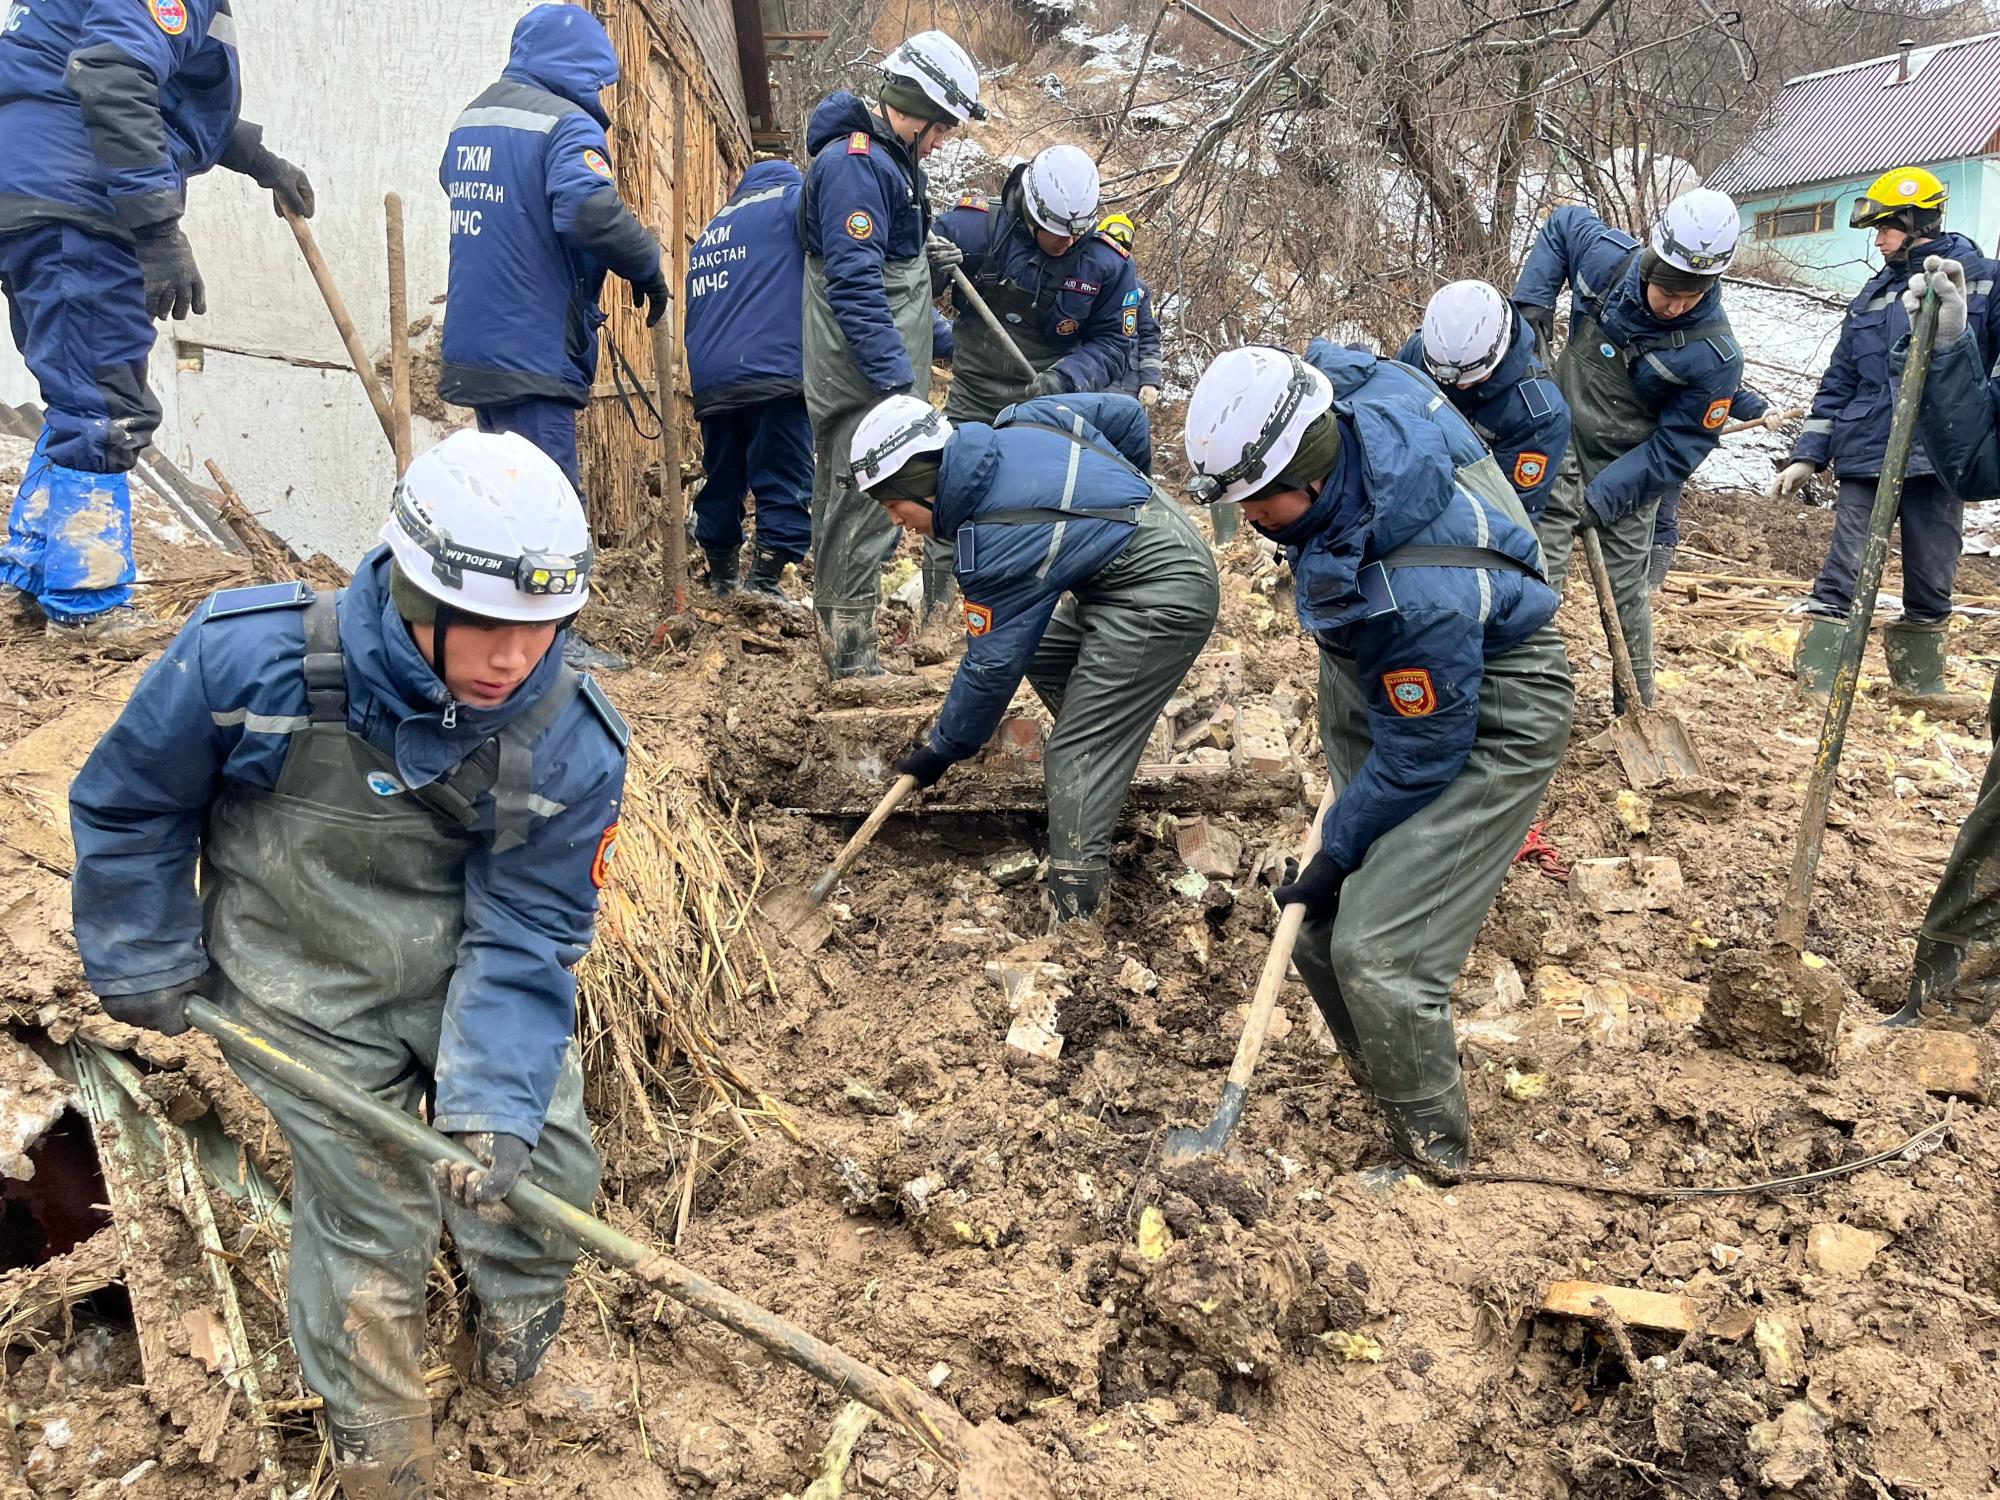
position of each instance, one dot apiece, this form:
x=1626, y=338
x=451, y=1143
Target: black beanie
x=901, y=94
x=1669, y=277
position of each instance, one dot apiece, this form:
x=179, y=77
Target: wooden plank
x=1637, y=1309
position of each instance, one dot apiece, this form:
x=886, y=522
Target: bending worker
x=1649, y=372
x=1955, y=980
x=1067, y=295
x=1444, y=694
x=745, y=279
x=536, y=221
x=106, y=111
x=401, y=804
x=1053, y=499
x=1486, y=358
x=864, y=225
x=1849, y=429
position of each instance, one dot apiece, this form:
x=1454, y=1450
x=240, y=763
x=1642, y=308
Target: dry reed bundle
x=30, y=1298
x=674, y=961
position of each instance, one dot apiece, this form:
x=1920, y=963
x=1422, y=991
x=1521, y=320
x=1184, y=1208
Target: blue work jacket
x=1960, y=417
x=745, y=288
x=1517, y=412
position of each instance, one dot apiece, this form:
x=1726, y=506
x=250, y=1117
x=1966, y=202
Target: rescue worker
x=1066, y=293
x=1444, y=693
x=106, y=112
x=401, y=804
x=865, y=224
x=1746, y=406
x=1955, y=980
x=536, y=221
x=1848, y=428
x=745, y=281
x=1486, y=358
x=1649, y=372
x=1077, y=572
x=1143, y=376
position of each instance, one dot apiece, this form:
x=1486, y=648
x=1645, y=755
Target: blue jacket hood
x=399, y=699
x=564, y=49
x=838, y=114
x=1404, y=460
x=769, y=174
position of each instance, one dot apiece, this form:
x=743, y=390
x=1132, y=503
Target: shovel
x=993, y=1462
x=797, y=911
x=1185, y=1144
x=1652, y=744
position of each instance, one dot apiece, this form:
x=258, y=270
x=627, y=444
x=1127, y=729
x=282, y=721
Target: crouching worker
x=1051, y=500
x=401, y=803
x=1444, y=694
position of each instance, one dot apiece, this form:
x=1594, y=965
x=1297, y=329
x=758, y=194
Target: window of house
x=1807, y=218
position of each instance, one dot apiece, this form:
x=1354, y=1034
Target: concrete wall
x=1840, y=259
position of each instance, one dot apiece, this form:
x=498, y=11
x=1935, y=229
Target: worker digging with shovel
x=1444, y=692
x=402, y=805
x=1077, y=573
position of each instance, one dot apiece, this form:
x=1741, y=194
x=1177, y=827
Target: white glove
x=1773, y=419
x=943, y=253
x=1149, y=395
x=1791, y=479
x=1946, y=277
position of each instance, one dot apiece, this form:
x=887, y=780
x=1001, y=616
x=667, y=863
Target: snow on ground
x=1787, y=338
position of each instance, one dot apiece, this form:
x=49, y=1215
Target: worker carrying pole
x=1650, y=371
x=402, y=805
x=1078, y=574
x=867, y=319
x=106, y=112
x=1444, y=693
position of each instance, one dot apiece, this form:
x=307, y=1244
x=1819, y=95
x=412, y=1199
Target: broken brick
x=1207, y=848
x=1259, y=743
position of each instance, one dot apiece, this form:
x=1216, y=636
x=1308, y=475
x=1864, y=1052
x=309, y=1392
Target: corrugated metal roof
x=1854, y=120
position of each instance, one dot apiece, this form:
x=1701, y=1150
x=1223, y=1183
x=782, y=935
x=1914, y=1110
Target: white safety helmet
x=891, y=434
x=487, y=523
x=944, y=71
x=1468, y=328
x=1698, y=232
x=1245, y=419
x=1059, y=190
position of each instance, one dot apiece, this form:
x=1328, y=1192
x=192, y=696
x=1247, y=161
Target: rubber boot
x=854, y=671
x=1662, y=564
x=1817, y=659
x=116, y=624
x=17, y=604
x=506, y=1357
x=766, y=569
x=385, y=1461
x=1075, y=894
x=724, y=570
x=1436, y=1130
x=1223, y=521
x=1916, y=657
x=1942, y=996
x=580, y=656
x=938, y=634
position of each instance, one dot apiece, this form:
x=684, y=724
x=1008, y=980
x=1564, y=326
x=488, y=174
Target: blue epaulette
x=613, y=721
x=257, y=598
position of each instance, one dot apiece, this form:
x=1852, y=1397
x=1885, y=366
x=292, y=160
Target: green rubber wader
x=1115, y=652
x=1956, y=979
x=333, y=917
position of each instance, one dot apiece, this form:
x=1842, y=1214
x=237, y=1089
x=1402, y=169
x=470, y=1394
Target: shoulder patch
x=1717, y=413
x=1129, y=323
x=594, y=160
x=613, y=721
x=1080, y=284
x=859, y=225
x=857, y=143
x=978, y=618
x=1529, y=469
x=974, y=200
x=600, y=862
x=1123, y=253
x=1410, y=692
x=257, y=598
x=1131, y=298
x=171, y=16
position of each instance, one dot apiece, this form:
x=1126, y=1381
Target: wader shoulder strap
x=504, y=766
x=1457, y=557
x=325, y=670
x=1029, y=515
x=1082, y=442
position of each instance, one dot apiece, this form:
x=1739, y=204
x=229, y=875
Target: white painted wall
x=362, y=96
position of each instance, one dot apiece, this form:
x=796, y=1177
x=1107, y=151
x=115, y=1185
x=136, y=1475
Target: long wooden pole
x=666, y=345
x=399, y=333
x=337, y=306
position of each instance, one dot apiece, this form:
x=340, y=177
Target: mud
x=996, y=1226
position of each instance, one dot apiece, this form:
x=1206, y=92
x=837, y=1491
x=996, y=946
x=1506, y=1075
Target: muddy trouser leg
x=939, y=589
x=365, y=1220
x=1382, y=970
x=1956, y=977
x=851, y=538
x=1556, y=528
x=1933, y=539
x=1833, y=589
x=1130, y=640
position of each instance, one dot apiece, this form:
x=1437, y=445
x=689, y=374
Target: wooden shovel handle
x=1277, y=960
x=336, y=305
x=863, y=835
x=1614, y=632
x=963, y=287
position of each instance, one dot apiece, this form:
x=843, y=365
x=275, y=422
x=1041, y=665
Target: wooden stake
x=337, y=307
x=665, y=357
x=399, y=334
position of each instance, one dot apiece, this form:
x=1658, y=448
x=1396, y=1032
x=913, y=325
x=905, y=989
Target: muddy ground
x=996, y=1225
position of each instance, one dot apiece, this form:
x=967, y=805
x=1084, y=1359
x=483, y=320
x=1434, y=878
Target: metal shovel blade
x=1651, y=744
x=798, y=918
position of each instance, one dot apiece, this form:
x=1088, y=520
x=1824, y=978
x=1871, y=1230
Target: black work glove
x=943, y=254
x=1543, y=321
x=247, y=153
x=1316, y=887
x=173, y=281
x=164, y=1011
x=1048, y=383
x=924, y=763
x=652, y=294
x=501, y=1157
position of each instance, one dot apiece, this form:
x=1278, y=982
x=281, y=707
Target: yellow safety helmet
x=1903, y=195
x=1117, y=227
